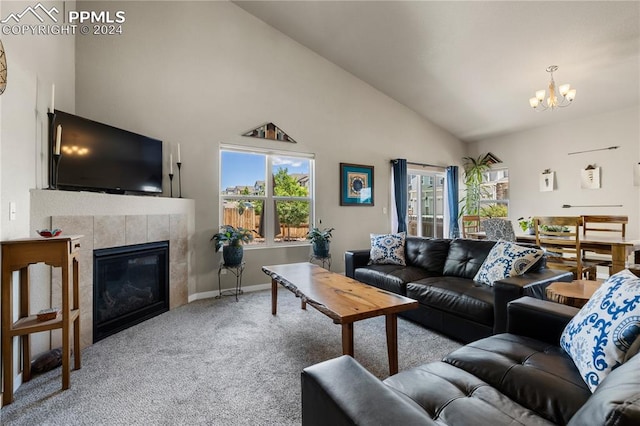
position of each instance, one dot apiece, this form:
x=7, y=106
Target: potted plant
x=474, y=170
x=232, y=251
x=526, y=225
x=320, y=240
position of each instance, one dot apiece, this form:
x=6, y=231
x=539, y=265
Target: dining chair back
x=470, y=224
x=604, y=223
x=559, y=236
x=497, y=228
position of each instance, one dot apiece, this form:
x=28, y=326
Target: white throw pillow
x=506, y=259
x=600, y=335
x=387, y=249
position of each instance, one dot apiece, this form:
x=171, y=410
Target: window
x=425, y=195
x=269, y=192
x=494, y=195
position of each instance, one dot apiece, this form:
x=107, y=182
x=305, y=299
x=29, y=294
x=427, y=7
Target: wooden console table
x=17, y=255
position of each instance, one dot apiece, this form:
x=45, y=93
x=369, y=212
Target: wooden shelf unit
x=17, y=255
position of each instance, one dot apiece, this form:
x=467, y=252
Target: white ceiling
x=471, y=67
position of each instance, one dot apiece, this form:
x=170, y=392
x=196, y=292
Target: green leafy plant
x=525, y=224
x=474, y=170
x=232, y=236
x=315, y=235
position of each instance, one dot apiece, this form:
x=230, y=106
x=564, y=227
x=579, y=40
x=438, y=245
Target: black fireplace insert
x=130, y=285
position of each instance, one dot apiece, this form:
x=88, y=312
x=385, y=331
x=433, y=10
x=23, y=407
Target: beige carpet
x=215, y=362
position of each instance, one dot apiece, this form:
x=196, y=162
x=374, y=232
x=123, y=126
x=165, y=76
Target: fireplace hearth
x=130, y=285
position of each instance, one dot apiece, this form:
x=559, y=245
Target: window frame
x=436, y=175
x=268, y=198
x=486, y=182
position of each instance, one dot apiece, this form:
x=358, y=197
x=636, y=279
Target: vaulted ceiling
x=471, y=67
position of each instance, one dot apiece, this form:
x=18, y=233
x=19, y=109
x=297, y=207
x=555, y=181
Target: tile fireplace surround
x=104, y=226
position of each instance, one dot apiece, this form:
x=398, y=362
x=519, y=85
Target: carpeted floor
x=215, y=362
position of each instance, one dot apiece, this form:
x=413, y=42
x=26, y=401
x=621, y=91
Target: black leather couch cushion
x=532, y=373
x=459, y=296
x=466, y=257
x=392, y=278
x=452, y=396
x=616, y=401
x=428, y=254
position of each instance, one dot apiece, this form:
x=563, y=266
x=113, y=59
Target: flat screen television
x=99, y=157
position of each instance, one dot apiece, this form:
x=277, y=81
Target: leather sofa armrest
x=341, y=392
x=355, y=259
x=539, y=319
x=529, y=284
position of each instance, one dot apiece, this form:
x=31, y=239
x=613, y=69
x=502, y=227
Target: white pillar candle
x=170, y=163
x=53, y=96
x=56, y=149
x=179, y=153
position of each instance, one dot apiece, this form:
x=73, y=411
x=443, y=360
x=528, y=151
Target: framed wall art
x=356, y=185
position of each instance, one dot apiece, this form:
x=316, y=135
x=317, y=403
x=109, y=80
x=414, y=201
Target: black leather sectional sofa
x=518, y=378
x=439, y=274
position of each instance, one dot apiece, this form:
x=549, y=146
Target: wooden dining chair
x=611, y=225
x=470, y=224
x=603, y=223
x=559, y=236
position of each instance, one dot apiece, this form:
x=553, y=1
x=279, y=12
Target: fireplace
x=130, y=285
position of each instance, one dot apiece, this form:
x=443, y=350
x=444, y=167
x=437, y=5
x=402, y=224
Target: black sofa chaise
x=518, y=378
x=439, y=275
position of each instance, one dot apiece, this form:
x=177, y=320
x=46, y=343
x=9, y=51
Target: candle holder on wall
x=171, y=184
x=53, y=165
x=179, y=180
x=56, y=162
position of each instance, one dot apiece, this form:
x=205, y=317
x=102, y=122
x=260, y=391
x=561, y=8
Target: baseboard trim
x=210, y=294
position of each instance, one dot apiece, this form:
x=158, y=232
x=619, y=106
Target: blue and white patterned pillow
x=600, y=335
x=506, y=259
x=387, y=249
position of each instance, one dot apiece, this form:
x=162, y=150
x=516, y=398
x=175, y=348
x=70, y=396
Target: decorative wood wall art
x=356, y=185
x=3, y=69
x=269, y=131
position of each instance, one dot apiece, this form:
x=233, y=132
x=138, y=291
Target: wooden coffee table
x=342, y=299
x=576, y=293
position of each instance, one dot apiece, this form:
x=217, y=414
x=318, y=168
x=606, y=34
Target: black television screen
x=99, y=157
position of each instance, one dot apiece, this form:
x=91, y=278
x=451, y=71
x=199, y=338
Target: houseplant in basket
x=230, y=239
x=320, y=240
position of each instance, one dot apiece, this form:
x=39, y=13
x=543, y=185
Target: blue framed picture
x=356, y=185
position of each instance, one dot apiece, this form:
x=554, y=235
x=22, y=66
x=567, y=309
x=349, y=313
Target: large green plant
x=474, y=170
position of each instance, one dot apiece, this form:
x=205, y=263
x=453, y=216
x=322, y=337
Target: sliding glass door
x=426, y=203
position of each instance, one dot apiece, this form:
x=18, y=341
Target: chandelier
x=559, y=97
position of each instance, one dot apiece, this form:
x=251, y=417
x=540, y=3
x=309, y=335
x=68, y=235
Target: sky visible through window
x=244, y=169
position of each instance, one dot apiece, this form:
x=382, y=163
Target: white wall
x=202, y=73
x=530, y=152
x=34, y=63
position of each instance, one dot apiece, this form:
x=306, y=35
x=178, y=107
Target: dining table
x=618, y=247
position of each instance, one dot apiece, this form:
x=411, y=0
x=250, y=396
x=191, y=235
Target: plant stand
x=326, y=260
x=237, y=271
